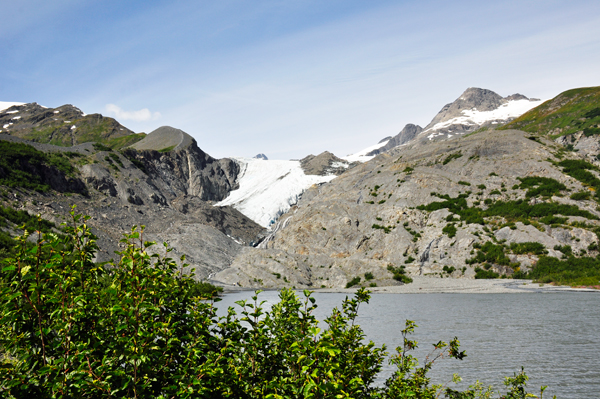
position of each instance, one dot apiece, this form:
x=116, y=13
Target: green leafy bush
x=581, y=195
x=491, y=253
x=485, y=274
x=353, y=282
x=534, y=248
x=450, y=230
x=572, y=271
x=449, y=269
x=553, y=220
x=398, y=274
x=450, y=157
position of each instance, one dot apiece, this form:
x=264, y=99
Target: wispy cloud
x=137, y=116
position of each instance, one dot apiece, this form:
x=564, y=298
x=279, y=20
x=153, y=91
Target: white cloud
x=138, y=116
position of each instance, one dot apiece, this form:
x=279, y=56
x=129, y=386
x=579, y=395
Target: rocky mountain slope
x=487, y=204
x=164, y=182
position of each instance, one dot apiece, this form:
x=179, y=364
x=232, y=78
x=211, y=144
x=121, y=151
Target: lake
x=554, y=335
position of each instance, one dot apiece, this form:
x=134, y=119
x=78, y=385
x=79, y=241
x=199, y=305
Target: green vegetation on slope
x=569, y=112
x=20, y=165
x=584, y=271
x=518, y=210
x=91, y=128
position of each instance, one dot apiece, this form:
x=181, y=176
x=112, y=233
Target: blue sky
x=290, y=78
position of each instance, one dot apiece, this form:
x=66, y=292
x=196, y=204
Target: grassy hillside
x=570, y=112
x=65, y=126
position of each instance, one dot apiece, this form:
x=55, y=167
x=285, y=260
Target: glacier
x=269, y=188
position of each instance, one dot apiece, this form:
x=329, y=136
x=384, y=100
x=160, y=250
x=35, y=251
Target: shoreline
x=436, y=285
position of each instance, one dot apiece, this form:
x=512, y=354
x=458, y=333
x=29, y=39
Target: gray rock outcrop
x=408, y=133
x=324, y=164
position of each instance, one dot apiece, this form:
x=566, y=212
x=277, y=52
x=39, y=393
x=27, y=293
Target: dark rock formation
x=409, y=132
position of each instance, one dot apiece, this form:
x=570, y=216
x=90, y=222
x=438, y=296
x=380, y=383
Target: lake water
x=555, y=335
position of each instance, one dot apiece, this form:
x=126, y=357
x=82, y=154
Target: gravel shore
x=429, y=285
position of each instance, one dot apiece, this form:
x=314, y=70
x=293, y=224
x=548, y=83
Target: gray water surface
x=555, y=336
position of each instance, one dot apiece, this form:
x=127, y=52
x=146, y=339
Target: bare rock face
x=366, y=220
x=408, y=133
x=324, y=164
x=179, y=167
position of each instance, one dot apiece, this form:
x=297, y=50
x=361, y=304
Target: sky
x=290, y=78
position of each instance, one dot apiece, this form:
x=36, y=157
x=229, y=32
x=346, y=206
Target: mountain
x=261, y=156
x=474, y=109
x=495, y=202
x=164, y=182
x=64, y=126
x=491, y=203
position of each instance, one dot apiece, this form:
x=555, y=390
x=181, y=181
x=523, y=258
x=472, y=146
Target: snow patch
x=362, y=156
x=56, y=112
x=511, y=109
x=269, y=188
x=339, y=165
x=16, y=117
x=73, y=127
x=7, y=125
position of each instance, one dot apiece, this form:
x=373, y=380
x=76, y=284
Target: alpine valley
x=492, y=187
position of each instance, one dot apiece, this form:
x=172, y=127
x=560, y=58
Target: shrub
x=101, y=147
x=491, y=253
x=398, y=274
x=369, y=276
x=353, y=282
x=450, y=230
x=552, y=219
x=540, y=186
x=581, y=195
x=450, y=269
x=485, y=274
x=450, y=157
x=534, y=248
